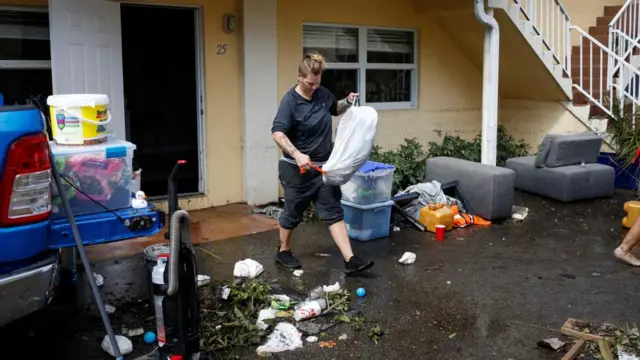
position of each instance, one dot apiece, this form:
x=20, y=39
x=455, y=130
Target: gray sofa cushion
x=574, y=149
x=545, y=147
x=565, y=183
x=487, y=189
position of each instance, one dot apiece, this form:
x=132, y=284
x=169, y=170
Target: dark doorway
x=160, y=64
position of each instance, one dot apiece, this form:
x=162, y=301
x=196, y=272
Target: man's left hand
x=352, y=97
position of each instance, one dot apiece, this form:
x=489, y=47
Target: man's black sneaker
x=287, y=259
x=356, y=264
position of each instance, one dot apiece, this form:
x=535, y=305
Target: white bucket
x=79, y=119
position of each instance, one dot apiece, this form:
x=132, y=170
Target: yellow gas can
x=631, y=211
x=433, y=215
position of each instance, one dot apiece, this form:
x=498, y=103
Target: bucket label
x=64, y=120
x=101, y=114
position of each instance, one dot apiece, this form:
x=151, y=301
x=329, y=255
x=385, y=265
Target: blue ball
x=149, y=337
x=361, y=292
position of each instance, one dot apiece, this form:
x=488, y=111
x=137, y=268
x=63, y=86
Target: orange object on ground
x=433, y=215
x=462, y=220
x=631, y=212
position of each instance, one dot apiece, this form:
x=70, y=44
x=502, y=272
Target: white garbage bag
x=354, y=142
x=285, y=337
x=247, y=268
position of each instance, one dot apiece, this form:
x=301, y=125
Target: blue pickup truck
x=30, y=239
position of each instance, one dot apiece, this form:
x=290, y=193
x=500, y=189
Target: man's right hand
x=303, y=160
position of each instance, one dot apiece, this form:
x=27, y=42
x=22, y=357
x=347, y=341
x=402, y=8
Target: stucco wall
x=223, y=86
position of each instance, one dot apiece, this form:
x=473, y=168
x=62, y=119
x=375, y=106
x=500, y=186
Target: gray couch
x=487, y=189
x=565, y=169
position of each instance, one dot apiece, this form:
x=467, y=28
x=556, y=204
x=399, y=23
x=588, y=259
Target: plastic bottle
x=309, y=309
x=157, y=277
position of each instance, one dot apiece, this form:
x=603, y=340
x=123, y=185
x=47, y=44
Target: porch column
x=260, y=153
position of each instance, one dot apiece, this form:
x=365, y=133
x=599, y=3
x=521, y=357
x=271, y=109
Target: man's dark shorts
x=301, y=189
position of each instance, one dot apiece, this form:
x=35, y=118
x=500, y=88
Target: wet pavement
x=498, y=289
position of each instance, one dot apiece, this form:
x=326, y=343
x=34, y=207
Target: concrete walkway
x=498, y=288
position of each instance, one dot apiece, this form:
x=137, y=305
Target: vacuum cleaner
x=176, y=290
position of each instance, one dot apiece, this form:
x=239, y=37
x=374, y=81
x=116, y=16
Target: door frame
x=200, y=87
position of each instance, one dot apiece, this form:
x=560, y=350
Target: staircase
x=605, y=65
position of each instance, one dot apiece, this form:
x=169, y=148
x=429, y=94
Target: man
x=303, y=130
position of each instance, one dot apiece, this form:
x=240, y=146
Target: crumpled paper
x=407, y=258
x=124, y=344
x=265, y=314
x=247, y=269
x=284, y=337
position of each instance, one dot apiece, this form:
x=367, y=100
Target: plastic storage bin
x=367, y=222
x=101, y=173
x=371, y=184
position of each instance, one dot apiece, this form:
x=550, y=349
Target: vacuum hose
x=180, y=234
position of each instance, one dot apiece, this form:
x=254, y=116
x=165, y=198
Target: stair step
x=603, y=39
x=586, y=83
x=604, y=20
x=587, y=53
x=575, y=68
x=581, y=99
x=612, y=10
x=599, y=30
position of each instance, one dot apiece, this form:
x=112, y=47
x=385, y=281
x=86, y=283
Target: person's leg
x=297, y=197
x=330, y=211
x=623, y=252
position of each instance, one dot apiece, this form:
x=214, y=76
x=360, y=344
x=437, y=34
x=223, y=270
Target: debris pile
x=592, y=341
x=247, y=313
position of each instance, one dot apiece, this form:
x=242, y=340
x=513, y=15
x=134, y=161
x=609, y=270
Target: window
x=380, y=64
x=25, y=55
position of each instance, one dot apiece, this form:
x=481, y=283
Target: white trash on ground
x=265, y=314
x=312, y=339
x=361, y=123
x=624, y=355
x=247, y=269
x=110, y=309
x=203, y=280
x=99, y=279
x=124, y=344
x=331, y=288
x=519, y=212
x=285, y=337
x=298, y=273
x=226, y=291
x=407, y=258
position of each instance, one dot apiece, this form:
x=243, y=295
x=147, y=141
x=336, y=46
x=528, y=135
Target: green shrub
x=455, y=146
x=409, y=160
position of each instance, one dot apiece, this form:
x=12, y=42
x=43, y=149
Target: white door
x=86, y=52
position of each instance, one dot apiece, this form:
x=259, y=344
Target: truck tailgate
x=106, y=227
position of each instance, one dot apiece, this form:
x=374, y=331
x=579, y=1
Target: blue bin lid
x=371, y=166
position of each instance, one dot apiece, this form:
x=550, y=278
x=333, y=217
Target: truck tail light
x=25, y=185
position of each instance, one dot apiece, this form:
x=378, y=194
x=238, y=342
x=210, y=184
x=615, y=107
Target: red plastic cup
x=440, y=232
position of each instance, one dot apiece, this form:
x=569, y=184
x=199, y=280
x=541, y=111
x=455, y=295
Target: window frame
x=26, y=64
x=362, y=65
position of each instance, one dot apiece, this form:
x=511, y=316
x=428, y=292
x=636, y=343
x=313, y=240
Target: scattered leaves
x=375, y=333
x=229, y=325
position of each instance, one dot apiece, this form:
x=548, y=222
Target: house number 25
x=222, y=49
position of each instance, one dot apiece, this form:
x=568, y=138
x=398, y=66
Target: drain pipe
x=491, y=68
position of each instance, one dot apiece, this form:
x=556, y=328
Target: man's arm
x=284, y=143
x=281, y=126
x=342, y=106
